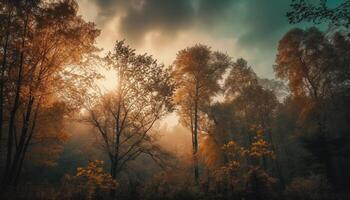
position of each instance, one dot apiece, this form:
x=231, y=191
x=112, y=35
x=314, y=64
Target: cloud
x=163, y=17
x=211, y=12
x=255, y=26
x=253, y=21
x=141, y=17
x=166, y=17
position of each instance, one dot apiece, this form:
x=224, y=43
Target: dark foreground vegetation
x=240, y=137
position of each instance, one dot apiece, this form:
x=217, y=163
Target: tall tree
x=47, y=41
x=253, y=106
x=197, y=71
x=124, y=118
x=317, y=71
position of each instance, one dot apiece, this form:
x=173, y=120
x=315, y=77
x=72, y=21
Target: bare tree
x=124, y=118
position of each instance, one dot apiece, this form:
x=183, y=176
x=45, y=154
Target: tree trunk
x=2, y=77
x=195, y=138
x=277, y=164
x=22, y=146
x=15, y=104
x=26, y=145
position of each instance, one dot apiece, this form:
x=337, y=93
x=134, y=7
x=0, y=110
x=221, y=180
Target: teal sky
x=242, y=28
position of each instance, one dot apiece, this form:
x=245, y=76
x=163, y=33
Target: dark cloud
x=109, y=8
x=257, y=25
x=211, y=12
x=164, y=16
x=167, y=17
x=254, y=21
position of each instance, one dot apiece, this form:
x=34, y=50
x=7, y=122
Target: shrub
x=89, y=183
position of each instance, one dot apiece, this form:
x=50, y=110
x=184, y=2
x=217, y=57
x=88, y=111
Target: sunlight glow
x=109, y=82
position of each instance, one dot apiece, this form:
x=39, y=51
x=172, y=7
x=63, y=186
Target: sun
x=109, y=80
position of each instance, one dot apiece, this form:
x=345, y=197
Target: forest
x=208, y=125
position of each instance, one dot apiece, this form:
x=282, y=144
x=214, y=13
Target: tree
x=92, y=181
x=252, y=106
x=44, y=43
x=124, y=118
x=338, y=16
x=225, y=115
x=236, y=175
x=279, y=88
x=240, y=77
x=197, y=71
x=317, y=72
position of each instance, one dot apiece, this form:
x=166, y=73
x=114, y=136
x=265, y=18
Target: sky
x=240, y=28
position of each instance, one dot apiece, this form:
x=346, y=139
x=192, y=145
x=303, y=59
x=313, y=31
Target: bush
x=89, y=183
